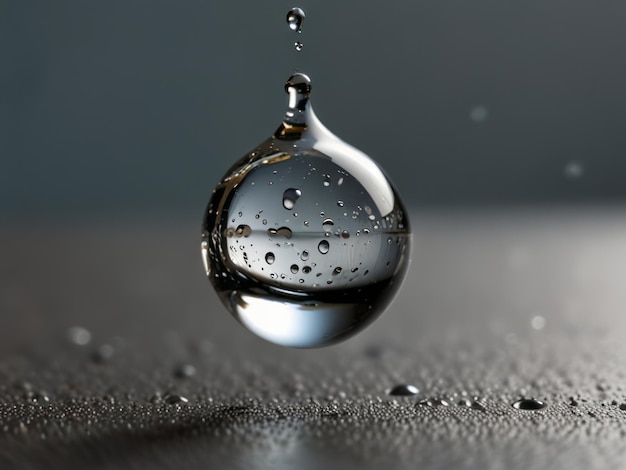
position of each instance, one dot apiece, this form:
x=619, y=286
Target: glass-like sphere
x=305, y=240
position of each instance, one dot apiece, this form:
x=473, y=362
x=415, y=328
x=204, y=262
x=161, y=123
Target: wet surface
x=115, y=350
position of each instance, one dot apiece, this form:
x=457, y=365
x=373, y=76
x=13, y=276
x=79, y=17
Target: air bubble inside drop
x=305, y=281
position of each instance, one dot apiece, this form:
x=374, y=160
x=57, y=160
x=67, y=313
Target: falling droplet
x=290, y=197
x=404, y=390
x=295, y=18
x=298, y=46
x=529, y=405
x=321, y=302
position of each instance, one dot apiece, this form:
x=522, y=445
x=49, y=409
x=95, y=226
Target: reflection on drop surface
x=318, y=277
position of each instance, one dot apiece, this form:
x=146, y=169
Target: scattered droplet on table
x=404, y=390
x=529, y=404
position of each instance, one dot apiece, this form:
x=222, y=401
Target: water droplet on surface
x=298, y=46
x=306, y=311
x=323, y=247
x=294, y=268
x=529, y=404
x=290, y=197
x=79, y=335
x=404, y=390
x=172, y=399
x=295, y=18
x=622, y=406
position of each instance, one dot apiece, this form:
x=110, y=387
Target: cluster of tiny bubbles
x=304, y=239
x=295, y=18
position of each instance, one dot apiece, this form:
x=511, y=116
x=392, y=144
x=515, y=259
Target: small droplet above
x=298, y=46
x=295, y=18
x=529, y=405
x=404, y=390
x=323, y=247
x=290, y=196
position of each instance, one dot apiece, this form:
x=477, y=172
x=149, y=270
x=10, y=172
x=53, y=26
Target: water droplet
x=479, y=114
x=404, y=390
x=298, y=46
x=294, y=268
x=269, y=257
x=184, y=371
x=622, y=406
x=172, y=399
x=290, y=196
x=340, y=203
x=280, y=232
x=473, y=404
x=529, y=405
x=243, y=231
x=295, y=18
x=538, y=322
x=573, y=170
x=323, y=305
x=79, y=335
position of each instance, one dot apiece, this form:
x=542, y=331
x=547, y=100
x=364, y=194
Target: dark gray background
x=130, y=105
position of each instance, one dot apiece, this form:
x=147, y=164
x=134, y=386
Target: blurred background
x=142, y=105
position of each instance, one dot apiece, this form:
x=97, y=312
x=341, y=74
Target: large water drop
x=322, y=301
